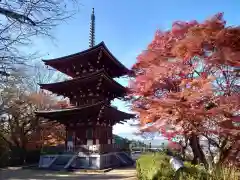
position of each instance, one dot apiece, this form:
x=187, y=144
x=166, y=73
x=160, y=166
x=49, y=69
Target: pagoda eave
x=86, y=82
x=83, y=114
x=61, y=63
x=68, y=57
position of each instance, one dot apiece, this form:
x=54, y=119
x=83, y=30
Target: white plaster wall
x=89, y=142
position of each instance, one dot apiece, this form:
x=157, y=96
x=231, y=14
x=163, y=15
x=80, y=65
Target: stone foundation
x=83, y=161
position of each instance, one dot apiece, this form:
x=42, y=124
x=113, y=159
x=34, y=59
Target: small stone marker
x=176, y=163
x=178, y=166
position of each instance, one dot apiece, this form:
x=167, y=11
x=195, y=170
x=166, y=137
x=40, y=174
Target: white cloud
x=124, y=129
x=127, y=131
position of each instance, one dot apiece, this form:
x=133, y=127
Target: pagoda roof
x=63, y=86
x=80, y=58
x=83, y=113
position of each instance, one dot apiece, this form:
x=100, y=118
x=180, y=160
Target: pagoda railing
x=101, y=148
x=87, y=149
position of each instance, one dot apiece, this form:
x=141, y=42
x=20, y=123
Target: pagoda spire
x=92, y=30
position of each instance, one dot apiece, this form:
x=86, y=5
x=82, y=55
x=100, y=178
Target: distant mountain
x=120, y=140
x=157, y=141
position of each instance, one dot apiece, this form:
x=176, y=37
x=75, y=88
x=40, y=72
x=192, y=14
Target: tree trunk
x=184, y=147
x=223, y=155
x=197, y=151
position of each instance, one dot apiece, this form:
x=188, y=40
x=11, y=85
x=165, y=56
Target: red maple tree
x=187, y=84
x=48, y=133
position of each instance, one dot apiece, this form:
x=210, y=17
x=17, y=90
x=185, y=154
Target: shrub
x=225, y=173
x=52, y=150
x=153, y=165
x=32, y=156
x=156, y=166
x=18, y=156
x=4, y=157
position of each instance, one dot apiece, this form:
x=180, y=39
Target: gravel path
x=27, y=174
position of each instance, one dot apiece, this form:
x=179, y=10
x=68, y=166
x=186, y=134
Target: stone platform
x=85, y=161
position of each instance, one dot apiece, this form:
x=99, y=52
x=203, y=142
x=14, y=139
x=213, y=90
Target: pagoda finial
x=92, y=30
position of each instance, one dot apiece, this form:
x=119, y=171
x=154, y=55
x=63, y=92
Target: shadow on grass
x=26, y=174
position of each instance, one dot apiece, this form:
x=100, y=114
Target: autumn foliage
x=187, y=84
x=50, y=133
x=19, y=125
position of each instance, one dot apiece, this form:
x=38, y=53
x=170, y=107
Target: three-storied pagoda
x=90, y=89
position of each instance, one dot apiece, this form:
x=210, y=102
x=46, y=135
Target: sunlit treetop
x=187, y=80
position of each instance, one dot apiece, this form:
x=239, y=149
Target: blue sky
x=127, y=27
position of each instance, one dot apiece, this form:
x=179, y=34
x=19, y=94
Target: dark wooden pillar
x=66, y=136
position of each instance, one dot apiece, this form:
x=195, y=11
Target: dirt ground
x=28, y=174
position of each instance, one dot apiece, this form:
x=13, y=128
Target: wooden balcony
x=87, y=149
